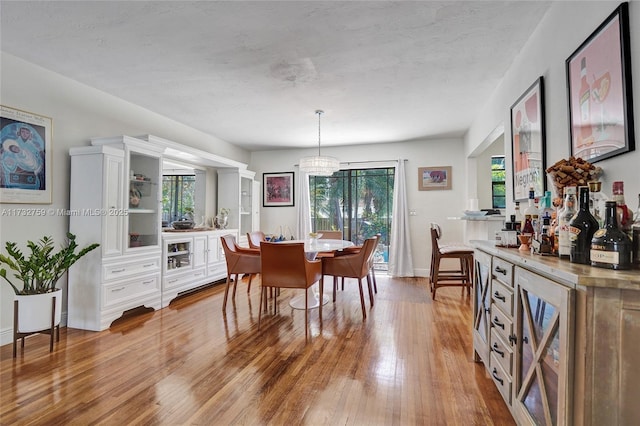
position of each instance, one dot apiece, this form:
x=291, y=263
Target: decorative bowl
x=183, y=224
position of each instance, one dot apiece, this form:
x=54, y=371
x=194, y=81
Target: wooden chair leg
x=249, y=285
x=335, y=288
x=235, y=286
x=263, y=296
x=375, y=284
x=306, y=314
x=15, y=329
x=370, y=290
x=364, y=311
x=321, y=297
x=226, y=293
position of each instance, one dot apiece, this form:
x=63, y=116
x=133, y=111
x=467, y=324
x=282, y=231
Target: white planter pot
x=34, y=311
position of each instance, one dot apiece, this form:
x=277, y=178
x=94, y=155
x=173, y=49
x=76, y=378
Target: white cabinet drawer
x=500, y=378
x=502, y=271
x=502, y=296
x=124, y=291
x=184, y=279
x=502, y=352
x=127, y=268
x=501, y=323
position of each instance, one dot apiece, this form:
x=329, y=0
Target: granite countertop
x=571, y=274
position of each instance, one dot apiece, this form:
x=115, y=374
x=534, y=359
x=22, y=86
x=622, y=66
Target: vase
x=220, y=221
x=34, y=311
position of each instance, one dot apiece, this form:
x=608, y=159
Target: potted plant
x=39, y=273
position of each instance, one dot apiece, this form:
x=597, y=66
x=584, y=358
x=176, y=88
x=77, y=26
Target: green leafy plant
x=41, y=270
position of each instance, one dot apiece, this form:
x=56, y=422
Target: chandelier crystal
x=319, y=165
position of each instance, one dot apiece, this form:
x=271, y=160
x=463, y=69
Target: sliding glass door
x=358, y=202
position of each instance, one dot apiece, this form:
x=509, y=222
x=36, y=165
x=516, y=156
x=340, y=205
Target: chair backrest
x=352, y=265
x=284, y=265
x=330, y=235
x=237, y=261
x=435, y=235
x=437, y=228
x=255, y=238
x=373, y=252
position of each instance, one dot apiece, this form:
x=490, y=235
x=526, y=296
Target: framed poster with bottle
x=528, y=142
x=599, y=86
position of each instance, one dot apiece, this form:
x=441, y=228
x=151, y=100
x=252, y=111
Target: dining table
x=313, y=246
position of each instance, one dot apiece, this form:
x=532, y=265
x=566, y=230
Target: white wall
x=79, y=113
x=565, y=26
x=430, y=206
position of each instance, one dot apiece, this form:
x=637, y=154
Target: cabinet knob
x=513, y=339
x=494, y=373
x=501, y=270
x=499, y=296
x=497, y=350
x=497, y=322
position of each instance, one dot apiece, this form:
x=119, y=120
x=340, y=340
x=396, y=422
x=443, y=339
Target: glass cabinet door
x=143, y=200
x=542, y=368
x=482, y=300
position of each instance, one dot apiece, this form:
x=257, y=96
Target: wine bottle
x=564, y=217
x=636, y=236
x=610, y=246
x=581, y=229
x=625, y=215
x=532, y=213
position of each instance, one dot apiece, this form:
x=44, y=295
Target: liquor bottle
x=581, y=229
x=519, y=220
x=564, y=217
x=546, y=209
x=610, y=246
x=635, y=228
x=625, y=215
x=532, y=213
x=586, y=133
x=546, y=239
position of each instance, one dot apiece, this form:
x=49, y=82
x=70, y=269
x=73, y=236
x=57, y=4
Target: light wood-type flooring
x=409, y=363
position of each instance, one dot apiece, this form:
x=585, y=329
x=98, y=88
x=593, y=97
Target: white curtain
x=303, y=223
x=400, y=257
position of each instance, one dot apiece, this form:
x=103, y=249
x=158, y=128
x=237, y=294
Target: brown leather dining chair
x=285, y=265
x=240, y=261
x=255, y=238
x=462, y=276
x=355, y=265
x=330, y=235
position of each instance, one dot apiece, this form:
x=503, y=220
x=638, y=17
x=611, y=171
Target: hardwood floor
x=409, y=363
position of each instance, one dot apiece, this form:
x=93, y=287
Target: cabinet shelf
x=138, y=211
x=177, y=253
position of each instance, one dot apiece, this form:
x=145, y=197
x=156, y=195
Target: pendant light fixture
x=319, y=165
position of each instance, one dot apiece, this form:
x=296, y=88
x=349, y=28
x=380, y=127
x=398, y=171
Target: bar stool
x=461, y=277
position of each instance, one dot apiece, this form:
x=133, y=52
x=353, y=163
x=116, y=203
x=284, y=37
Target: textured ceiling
x=253, y=73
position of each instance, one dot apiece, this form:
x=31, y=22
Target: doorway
x=359, y=202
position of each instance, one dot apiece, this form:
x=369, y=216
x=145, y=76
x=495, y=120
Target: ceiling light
x=319, y=165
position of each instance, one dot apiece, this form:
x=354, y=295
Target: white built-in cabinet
x=116, y=201
x=126, y=272
x=190, y=260
x=239, y=192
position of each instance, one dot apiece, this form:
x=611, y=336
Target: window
x=498, y=189
x=178, y=197
x=358, y=202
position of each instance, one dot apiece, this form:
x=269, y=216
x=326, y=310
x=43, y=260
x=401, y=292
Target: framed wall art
x=25, y=157
x=278, y=189
x=599, y=91
x=434, y=178
x=528, y=142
